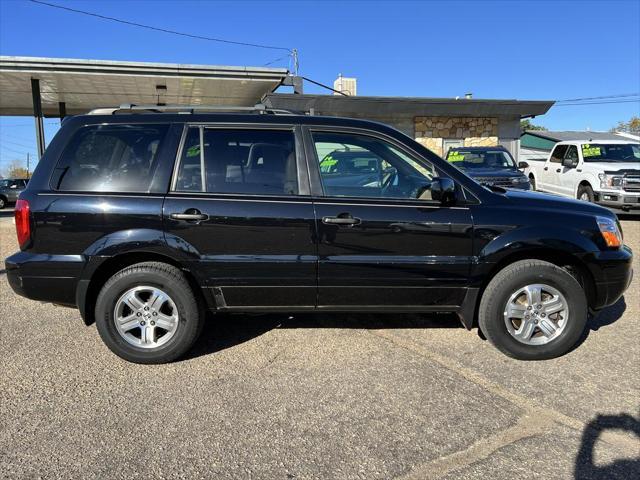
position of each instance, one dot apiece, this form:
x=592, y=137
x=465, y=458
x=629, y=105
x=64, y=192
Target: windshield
x=611, y=152
x=4, y=183
x=469, y=160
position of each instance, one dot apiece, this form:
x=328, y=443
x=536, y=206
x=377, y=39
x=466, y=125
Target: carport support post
x=62, y=108
x=37, y=114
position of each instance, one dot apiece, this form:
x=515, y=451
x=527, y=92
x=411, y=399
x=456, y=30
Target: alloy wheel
x=146, y=317
x=536, y=314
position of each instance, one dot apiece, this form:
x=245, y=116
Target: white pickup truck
x=605, y=172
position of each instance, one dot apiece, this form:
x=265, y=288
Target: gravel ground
x=317, y=396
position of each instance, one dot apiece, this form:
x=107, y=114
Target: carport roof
x=87, y=84
x=372, y=107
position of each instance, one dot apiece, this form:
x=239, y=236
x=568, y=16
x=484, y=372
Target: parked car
x=10, y=189
x=146, y=221
x=607, y=173
x=490, y=166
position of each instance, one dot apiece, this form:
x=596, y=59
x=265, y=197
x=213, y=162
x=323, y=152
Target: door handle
x=191, y=215
x=546, y=168
x=342, y=219
x=558, y=170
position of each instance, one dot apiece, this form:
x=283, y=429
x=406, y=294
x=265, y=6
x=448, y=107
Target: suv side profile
x=146, y=221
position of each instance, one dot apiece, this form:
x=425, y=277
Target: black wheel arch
x=88, y=288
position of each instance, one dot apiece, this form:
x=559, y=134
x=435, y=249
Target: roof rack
x=184, y=109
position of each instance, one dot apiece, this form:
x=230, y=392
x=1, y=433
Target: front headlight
x=610, y=181
x=519, y=180
x=610, y=231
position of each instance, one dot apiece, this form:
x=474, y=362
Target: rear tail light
x=23, y=222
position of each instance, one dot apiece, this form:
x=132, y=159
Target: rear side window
x=110, y=158
x=259, y=162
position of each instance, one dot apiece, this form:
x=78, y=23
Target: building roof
x=564, y=136
x=384, y=107
x=87, y=84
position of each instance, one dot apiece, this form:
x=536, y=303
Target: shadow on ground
x=586, y=468
x=6, y=212
x=601, y=319
x=223, y=331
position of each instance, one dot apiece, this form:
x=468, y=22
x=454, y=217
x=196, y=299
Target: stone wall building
x=437, y=123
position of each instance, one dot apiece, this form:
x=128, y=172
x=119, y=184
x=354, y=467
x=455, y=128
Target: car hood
x=614, y=166
x=554, y=202
x=494, y=172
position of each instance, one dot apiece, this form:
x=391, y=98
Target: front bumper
x=618, y=199
x=612, y=272
x=47, y=278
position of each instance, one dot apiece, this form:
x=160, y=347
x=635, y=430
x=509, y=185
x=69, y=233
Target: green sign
x=590, y=151
x=193, y=151
x=455, y=157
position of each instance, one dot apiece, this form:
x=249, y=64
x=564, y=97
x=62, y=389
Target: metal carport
x=56, y=87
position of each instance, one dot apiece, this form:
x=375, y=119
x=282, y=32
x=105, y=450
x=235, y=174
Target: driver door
x=382, y=242
x=568, y=176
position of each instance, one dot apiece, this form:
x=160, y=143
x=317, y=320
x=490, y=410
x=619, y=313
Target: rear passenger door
x=239, y=205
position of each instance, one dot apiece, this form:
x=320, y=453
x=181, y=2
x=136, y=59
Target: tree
x=16, y=170
x=527, y=125
x=632, y=126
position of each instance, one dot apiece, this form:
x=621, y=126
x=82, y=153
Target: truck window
x=572, y=153
x=110, y=158
x=558, y=153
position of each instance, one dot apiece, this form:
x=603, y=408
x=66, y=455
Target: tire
x=3, y=202
x=587, y=192
x=532, y=181
x=497, y=300
x=178, y=308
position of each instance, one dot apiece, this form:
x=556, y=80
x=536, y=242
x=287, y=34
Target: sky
x=529, y=50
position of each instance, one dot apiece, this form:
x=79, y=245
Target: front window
x=353, y=165
x=611, y=152
x=470, y=159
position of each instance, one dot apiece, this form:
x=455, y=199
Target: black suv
x=144, y=221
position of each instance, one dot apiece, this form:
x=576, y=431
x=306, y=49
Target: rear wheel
x=585, y=193
x=3, y=203
x=533, y=310
x=147, y=313
x=532, y=181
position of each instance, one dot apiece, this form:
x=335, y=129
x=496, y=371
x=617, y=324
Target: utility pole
x=27, y=165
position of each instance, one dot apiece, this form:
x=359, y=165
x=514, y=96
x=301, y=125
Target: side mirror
x=443, y=190
x=523, y=165
x=570, y=162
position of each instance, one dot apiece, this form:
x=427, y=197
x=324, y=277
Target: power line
x=598, y=103
x=622, y=95
x=160, y=29
x=13, y=150
x=18, y=144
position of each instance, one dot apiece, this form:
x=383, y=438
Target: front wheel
x=533, y=310
x=3, y=203
x=532, y=181
x=147, y=313
x=585, y=193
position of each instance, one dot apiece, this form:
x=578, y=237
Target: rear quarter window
x=110, y=158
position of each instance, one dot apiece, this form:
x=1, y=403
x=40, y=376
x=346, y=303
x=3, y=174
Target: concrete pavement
x=317, y=396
